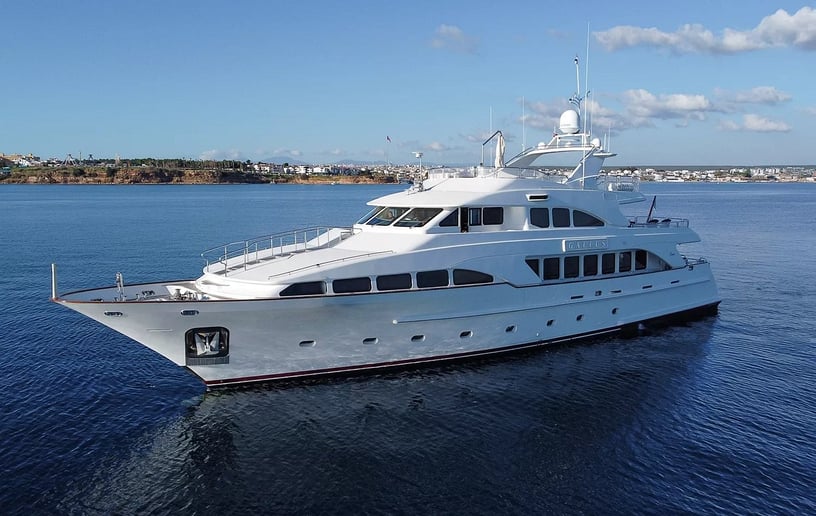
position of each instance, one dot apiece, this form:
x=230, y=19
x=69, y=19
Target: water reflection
x=529, y=426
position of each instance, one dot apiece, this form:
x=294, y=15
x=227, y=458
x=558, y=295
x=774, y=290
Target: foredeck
x=227, y=259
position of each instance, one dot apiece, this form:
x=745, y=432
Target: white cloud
x=811, y=110
x=287, y=152
x=436, y=146
x=451, y=37
x=758, y=95
x=777, y=30
x=729, y=125
x=643, y=104
x=755, y=123
x=216, y=154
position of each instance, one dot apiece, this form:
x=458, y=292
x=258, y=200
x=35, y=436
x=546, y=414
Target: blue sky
x=684, y=83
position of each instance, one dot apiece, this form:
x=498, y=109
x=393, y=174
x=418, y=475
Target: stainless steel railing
x=241, y=254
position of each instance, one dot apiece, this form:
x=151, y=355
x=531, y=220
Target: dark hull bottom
x=629, y=330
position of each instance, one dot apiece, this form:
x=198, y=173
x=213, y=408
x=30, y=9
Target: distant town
x=20, y=168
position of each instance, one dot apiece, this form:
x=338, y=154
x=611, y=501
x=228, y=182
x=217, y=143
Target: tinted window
x=590, y=265
x=608, y=263
x=386, y=216
x=343, y=286
x=468, y=277
x=451, y=220
x=584, y=219
x=418, y=217
x=561, y=217
x=625, y=264
x=394, y=282
x=640, y=260
x=308, y=288
x=369, y=214
x=533, y=264
x=428, y=279
x=475, y=216
x=571, y=267
x=540, y=217
x=493, y=216
x=552, y=268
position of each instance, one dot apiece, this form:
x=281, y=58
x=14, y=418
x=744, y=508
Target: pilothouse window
x=452, y=220
x=418, y=217
x=583, y=219
x=493, y=216
x=561, y=217
x=475, y=216
x=386, y=216
x=370, y=214
x=540, y=217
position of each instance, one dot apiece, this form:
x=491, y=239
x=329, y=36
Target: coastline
x=157, y=175
x=148, y=175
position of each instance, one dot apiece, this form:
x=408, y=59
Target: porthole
x=466, y=334
x=417, y=338
x=306, y=343
x=598, y=292
x=510, y=329
x=646, y=287
x=550, y=322
x=614, y=311
x=370, y=340
x=580, y=317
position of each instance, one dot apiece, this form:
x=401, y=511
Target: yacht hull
x=274, y=339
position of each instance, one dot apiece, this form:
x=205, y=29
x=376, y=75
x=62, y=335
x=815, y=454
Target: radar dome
x=569, y=122
x=596, y=142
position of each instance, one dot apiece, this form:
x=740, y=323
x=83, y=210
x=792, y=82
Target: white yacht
x=464, y=263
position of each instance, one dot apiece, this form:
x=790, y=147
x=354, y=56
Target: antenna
x=523, y=122
x=577, y=80
x=586, y=78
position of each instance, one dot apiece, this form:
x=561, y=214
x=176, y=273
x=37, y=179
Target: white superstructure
x=465, y=263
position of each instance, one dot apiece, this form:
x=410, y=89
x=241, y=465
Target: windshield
x=418, y=217
x=386, y=216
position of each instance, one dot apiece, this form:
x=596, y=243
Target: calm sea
x=717, y=416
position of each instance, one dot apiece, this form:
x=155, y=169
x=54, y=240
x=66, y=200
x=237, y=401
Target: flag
x=388, y=138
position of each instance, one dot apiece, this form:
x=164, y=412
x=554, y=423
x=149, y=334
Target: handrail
x=641, y=221
x=241, y=254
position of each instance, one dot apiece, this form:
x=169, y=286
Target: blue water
x=717, y=416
